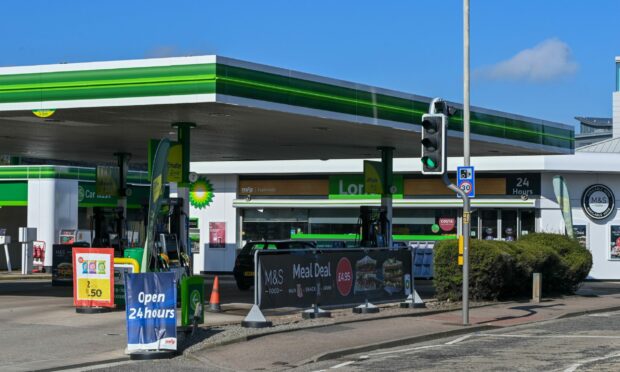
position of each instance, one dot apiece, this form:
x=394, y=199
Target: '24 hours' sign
x=527, y=184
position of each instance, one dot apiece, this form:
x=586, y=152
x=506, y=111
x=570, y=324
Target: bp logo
x=200, y=193
x=194, y=299
x=80, y=194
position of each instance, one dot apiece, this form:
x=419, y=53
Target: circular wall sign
x=598, y=201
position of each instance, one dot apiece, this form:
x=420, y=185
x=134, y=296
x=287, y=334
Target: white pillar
x=52, y=206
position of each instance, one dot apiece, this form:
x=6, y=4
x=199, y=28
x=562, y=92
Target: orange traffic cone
x=214, y=301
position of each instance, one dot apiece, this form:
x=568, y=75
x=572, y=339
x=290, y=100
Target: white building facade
x=515, y=196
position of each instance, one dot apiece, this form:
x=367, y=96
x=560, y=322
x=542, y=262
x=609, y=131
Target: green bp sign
x=200, y=193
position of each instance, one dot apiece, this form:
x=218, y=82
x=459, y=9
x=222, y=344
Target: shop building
x=514, y=197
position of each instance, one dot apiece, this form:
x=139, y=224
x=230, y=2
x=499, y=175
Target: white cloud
x=549, y=60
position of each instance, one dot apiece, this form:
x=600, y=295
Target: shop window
x=272, y=230
x=474, y=225
x=340, y=228
x=509, y=225
x=528, y=222
x=488, y=222
x=425, y=222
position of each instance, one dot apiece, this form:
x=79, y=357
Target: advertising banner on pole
x=93, y=281
x=373, y=182
x=301, y=279
x=151, y=311
x=108, y=180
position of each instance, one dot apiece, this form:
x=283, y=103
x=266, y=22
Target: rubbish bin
x=135, y=253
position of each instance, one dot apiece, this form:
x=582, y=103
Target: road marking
x=458, y=340
x=603, y=314
x=404, y=350
x=546, y=336
x=342, y=364
x=574, y=367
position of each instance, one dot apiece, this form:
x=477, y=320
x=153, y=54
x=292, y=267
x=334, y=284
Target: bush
x=576, y=260
x=491, y=270
x=501, y=270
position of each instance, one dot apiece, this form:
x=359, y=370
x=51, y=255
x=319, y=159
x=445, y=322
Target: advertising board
x=93, y=281
x=151, y=311
x=62, y=265
x=300, y=279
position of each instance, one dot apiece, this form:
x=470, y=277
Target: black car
x=244, y=264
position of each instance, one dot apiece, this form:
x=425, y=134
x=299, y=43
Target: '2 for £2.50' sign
x=93, y=280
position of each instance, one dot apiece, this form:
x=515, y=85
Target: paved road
x=586, y=343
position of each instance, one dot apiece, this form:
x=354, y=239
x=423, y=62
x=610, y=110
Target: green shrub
x=500, y=270
x=576, y=260
x=491, y=270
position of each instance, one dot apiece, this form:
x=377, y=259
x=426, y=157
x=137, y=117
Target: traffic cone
x=214, y=301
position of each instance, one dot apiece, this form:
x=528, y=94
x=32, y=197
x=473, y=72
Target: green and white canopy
x=243, y=111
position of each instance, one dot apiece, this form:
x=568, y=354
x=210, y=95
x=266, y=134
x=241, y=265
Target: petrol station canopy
x=242, y=111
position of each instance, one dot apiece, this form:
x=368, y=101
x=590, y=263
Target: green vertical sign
x=192, y=294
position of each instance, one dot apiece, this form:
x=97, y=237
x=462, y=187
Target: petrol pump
x=173, y=250
x=374, y=226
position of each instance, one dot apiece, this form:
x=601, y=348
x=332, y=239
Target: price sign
x=93, y=280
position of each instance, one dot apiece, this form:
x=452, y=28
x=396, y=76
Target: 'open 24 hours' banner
x=93, y=280
x=151, y=311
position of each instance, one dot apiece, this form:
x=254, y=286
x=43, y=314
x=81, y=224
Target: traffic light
x=434, y=144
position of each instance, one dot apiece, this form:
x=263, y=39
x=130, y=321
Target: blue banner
x=151, y=311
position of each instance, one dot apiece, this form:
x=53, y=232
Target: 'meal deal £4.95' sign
x=151, y=311
x=93, y=280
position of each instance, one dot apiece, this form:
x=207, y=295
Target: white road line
x=416, y=348
x=342, y=364
x=546, y=336
x=404, y=350
x=458, y=340
x=574, y=367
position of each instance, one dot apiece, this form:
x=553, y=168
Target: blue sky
x=549, y=59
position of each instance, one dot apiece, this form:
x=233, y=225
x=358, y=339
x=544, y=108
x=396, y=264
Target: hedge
x=503, y=270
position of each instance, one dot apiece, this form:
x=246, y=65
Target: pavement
x=42, y=317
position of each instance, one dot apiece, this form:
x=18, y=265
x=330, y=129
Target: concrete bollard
x=536, y=287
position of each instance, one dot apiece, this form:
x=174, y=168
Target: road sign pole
x=466, y=223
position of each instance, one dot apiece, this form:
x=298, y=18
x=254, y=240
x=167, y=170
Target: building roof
x=595, y=122
x=611, y=145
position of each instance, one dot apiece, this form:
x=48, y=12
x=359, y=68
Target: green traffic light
x=430, y=163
